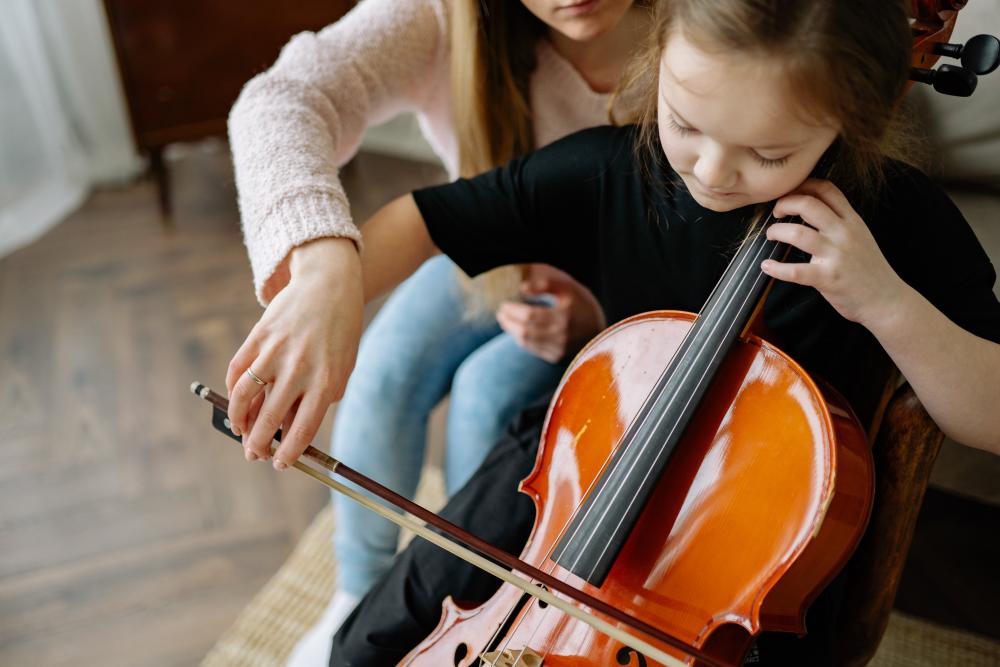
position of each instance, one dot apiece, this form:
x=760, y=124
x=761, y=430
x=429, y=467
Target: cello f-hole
x=624, y=657
x=542, y=604
x=461, y=652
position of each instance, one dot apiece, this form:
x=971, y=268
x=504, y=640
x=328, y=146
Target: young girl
x=742, y=104
x=489, y=80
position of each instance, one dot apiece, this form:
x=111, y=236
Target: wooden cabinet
x=183, y=62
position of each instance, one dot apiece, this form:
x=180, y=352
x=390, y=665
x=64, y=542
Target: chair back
x=905, y=448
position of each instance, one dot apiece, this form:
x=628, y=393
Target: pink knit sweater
x=295, y=124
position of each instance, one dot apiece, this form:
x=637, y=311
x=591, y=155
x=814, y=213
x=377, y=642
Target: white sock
x=313, y=650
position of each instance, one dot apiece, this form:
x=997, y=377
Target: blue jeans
x=417, y=350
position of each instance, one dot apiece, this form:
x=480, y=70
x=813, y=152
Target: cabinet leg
x=162, y=176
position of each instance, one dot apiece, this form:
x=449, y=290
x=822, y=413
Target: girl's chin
x=585, y=29
x=718, y=204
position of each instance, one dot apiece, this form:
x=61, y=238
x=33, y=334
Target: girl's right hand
x=304, y=347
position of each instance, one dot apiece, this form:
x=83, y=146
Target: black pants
x=405, y=605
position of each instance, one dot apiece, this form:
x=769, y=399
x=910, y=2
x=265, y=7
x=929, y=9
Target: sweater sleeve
x=294, y=125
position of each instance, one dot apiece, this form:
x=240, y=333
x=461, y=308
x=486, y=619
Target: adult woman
x=488, y=80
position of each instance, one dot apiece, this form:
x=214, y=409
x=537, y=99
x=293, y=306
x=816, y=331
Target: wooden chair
x=905, y=448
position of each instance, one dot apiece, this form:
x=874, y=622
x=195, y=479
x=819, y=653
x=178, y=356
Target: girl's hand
x=303, y=347
x=847, y=266
x=551, y=332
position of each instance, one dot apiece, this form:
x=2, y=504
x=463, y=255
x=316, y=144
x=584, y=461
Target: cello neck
x=598, y=531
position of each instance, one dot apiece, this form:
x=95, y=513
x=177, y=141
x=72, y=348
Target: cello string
x=723, y=283
x=742, y=267
x=641, y=419
x=704, y=315
x=743, y=264
x=650, y=441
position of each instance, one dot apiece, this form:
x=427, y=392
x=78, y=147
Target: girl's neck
x=601, y=61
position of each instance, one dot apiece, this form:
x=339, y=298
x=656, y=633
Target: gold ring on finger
x=253, y=376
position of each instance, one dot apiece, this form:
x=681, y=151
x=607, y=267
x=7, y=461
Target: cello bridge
x=511, y=658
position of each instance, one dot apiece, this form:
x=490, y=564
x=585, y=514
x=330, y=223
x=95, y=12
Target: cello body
x=757, y=510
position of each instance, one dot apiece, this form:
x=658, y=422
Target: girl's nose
x=712, y=172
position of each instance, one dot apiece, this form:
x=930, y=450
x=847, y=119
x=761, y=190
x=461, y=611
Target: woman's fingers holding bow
x=302, y=349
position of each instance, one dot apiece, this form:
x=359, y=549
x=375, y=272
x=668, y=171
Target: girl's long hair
x=845, y=60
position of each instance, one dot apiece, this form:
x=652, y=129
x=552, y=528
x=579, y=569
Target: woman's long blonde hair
x=492, y=57
x=493, y=46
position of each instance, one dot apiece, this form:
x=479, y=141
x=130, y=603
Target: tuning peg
x=980, y=55
x=947, y=79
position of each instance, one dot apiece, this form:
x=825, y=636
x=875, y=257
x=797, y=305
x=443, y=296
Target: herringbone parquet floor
x=130, y=532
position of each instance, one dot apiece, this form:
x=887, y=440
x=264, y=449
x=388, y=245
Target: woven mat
x=265, y=632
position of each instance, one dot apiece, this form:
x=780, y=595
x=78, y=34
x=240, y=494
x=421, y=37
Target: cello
x=691, y=474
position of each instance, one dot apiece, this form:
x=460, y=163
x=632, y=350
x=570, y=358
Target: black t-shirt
x=582, y=204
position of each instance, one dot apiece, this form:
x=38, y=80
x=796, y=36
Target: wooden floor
x=131, y=533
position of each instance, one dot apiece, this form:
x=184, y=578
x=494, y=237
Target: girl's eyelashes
x=765, y=162
x=680, y=129
x=761, y=160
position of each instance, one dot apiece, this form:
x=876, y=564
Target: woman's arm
x=306, y=342
x=295, y=124
x=531, y=210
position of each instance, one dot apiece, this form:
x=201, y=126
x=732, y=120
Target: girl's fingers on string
x=296, y=437
x=276, y=405
x=802, y=273
x=804, y=238
x=812, y=210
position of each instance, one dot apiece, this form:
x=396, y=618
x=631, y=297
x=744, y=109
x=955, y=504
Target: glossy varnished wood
x=763, y=502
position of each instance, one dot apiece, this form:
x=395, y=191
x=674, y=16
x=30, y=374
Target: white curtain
x=63, y=125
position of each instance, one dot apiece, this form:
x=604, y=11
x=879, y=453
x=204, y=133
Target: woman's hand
x=847, y=266
x=303, y=347
x=552, y=332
